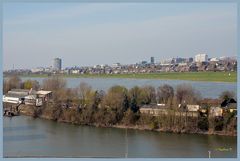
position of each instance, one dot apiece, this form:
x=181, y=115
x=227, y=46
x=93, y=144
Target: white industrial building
x=28, y=97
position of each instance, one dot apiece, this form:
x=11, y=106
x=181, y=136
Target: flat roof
x=19, y=90
x=14, y=95
x=43, y=92
x=30, y=97
x=153, y=107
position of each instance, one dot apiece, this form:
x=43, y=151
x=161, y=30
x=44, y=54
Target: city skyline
x=56, y=66
x=89, y=34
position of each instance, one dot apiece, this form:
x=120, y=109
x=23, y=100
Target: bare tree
x=226, y=95
x=85, y=94
x=58, y=86
x=54, y=83
x=187, y=94
x=148, y=95
x=116, y=98
x=165, y=94
x=10, y=83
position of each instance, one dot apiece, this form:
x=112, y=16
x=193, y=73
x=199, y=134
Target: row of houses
x=216, y=108
x=162, y=109
x=28, y=97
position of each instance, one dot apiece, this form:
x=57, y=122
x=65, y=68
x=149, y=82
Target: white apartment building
x=201, y=58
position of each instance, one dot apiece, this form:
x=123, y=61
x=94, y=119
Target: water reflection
x=207, y=89
x=18, y=128
x=52, y=139
x=23, y=137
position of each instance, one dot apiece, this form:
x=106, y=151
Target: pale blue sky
x=85, y=34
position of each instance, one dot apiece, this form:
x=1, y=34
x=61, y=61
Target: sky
x=86, y=34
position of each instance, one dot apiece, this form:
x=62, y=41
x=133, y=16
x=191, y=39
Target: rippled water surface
x=207, y=89
x=28, y=137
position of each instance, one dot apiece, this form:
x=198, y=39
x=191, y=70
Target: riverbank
x=190, y=76
x=177, y=131
x=44, y=114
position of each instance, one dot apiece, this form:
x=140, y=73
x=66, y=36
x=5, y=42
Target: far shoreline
x=218, y=77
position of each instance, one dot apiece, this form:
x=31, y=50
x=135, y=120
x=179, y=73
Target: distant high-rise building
x=201, y=58
x=144, y=62
x=167, y=61
x=57, y=64
x=178, y=60
x=190, y=60
x=152, y=60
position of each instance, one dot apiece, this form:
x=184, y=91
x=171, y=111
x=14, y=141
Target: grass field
x=192, y=76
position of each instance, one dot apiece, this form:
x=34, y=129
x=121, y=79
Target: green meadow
x=192, y=76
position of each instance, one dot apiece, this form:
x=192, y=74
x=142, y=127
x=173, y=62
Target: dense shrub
x=203, y=123
x=219, y=123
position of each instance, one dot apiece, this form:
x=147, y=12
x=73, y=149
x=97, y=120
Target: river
x=25, y=136
x=206, y=89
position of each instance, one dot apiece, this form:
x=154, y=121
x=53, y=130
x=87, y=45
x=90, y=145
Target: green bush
x=203, y=123
x=219, y=123
x=154, y=124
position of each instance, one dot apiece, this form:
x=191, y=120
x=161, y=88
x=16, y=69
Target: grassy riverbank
x=191, y=76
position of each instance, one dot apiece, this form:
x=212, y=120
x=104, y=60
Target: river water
x=207, y=89
x=25, y=136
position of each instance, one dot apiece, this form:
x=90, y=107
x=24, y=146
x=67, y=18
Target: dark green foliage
x=133, y=104
x=203, y=123
x=125, y=103
x=219, y=123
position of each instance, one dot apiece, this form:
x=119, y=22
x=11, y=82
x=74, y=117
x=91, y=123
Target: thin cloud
x=65, y=13
x=212, y=31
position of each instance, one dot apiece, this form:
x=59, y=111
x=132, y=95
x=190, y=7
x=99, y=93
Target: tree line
x=120, y=106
